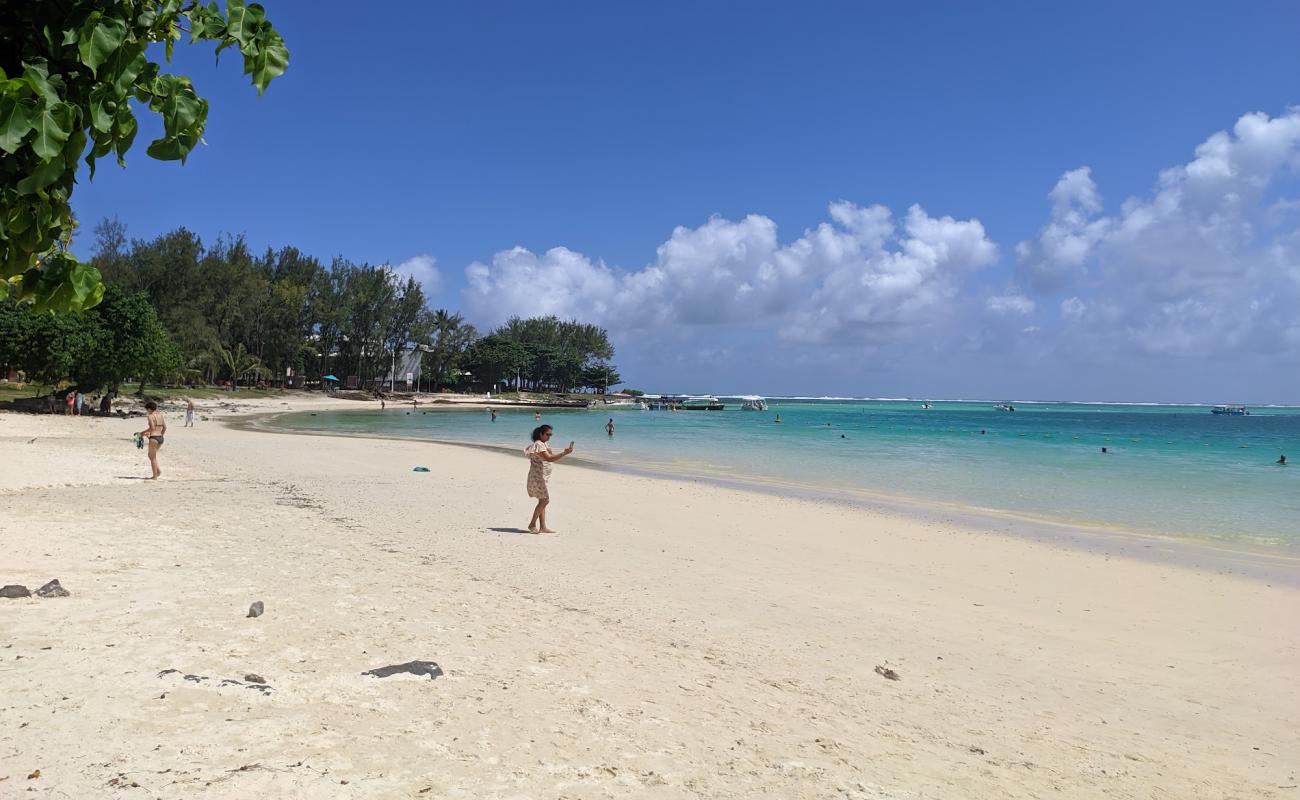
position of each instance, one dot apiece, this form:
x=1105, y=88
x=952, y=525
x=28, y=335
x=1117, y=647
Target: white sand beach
x=673, y=640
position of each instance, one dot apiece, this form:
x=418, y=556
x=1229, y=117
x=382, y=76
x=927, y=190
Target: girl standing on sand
x=540, y=458
x=157, y=427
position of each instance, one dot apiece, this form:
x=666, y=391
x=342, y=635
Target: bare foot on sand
x=546, y=530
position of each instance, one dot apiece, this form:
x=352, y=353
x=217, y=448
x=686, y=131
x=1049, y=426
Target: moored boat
x=701, y=403
x=1004, y=407
x=1231, y=411
x=754, y=404
x=617, y=405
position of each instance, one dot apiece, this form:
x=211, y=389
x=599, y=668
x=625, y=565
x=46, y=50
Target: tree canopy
x=100, y=348
x=228, y=313
x=69, y=70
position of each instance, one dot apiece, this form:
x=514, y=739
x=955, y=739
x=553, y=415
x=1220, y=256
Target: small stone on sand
x=53, y=589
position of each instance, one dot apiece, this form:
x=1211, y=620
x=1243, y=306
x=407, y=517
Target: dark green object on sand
x=420, y=469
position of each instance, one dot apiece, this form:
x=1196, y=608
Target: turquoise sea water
x=1171, y=469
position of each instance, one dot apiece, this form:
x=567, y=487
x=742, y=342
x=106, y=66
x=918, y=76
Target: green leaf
x=37, y=75
x=270, y=62
x=123, y=66
x=206, y=22
x=72, y=150
x=243, y=21
x=46, y=172
x=103, y=105
x=99, y=39
x=15, y=122
x=52, y=124
x=124, y=131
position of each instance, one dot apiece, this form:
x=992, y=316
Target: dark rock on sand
x=259, y=684
x=254, y=678
x=429, y=668
x=53, y=589
x=256, y=609
x=14, y=591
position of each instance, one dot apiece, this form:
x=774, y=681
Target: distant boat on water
x=1231, y=411
x=701, y=403
x=1004, y=407
x=754, y=404
x=617, y=405
x=925, y=406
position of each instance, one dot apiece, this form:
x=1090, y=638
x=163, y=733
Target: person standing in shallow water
x=157, y=428
x=609, y=426
x=540, y=459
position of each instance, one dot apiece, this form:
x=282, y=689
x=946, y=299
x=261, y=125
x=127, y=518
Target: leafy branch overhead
x=68, y=73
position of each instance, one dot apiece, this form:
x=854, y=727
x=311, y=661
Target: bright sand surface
x=674, y=640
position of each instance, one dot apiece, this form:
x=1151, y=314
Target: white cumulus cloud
x=424, y=268
x=857, y=276
x=1204, y=265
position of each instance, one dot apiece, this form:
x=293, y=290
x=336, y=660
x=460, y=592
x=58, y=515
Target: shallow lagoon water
x=1172, y=470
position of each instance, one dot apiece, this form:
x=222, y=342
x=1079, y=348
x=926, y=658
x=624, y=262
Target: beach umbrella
x=331, y=378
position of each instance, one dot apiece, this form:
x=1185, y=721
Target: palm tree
x=237, y=362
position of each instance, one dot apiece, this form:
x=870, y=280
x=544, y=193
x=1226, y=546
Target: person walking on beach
x=609, y=426
x=157, y=428
x=70, y=399
x=80, y=404
x=189, y=414
x=540, y=459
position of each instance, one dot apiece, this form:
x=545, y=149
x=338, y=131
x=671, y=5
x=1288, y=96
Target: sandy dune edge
x=676, y=639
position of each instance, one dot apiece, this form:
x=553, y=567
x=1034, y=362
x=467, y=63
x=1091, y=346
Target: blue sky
x=684, y=159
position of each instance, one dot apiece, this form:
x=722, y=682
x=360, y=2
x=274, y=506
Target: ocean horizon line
x=844, y=398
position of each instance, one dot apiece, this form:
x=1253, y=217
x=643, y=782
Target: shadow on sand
x=509, y=530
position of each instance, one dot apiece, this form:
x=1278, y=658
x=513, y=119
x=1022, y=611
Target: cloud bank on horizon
x=1206, y=266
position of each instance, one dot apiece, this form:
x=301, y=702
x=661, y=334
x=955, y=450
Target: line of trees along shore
x=222, y=312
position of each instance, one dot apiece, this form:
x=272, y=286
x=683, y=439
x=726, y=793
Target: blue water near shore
x=1174, y=470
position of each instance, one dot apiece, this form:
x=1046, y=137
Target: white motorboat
x=701, y=403
x=618, y=405
x=754, y=404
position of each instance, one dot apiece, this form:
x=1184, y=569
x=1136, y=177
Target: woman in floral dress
x=540, y=459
